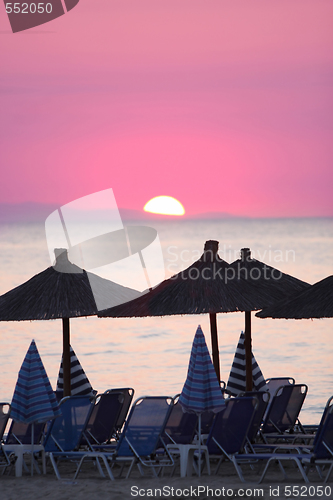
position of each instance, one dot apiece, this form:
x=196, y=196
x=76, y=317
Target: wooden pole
x=66, y=357
x=215, y=344
x=248, y=350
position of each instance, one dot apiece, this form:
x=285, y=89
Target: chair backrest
x=104, y=417
x=4, y=416
x=263, y=400
x=128, y=394
x=327, y=408
x=65, y=432
x=180, y=427
x=324, y=436
x=231, y=425
x=20, y=433
x=207, y=418
x=274, y=383
x=284, y=408
x=144, y=426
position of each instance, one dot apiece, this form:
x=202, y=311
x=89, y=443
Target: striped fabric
x=201, y=391
x=237, y=378
x=33, y=400
x=80, y=384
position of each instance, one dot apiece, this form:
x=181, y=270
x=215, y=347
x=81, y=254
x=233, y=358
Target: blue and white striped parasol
x=80, y=385
x=34, y=400
x=201, y=391
x=237, y=377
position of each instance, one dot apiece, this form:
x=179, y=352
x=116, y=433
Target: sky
x=225, y=105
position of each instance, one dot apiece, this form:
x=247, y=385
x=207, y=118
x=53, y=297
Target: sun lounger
x=321, y=454
x=128, y=394
x=283, y=410
x=4, y=416
x=181, y=426
x=20, y=433
x=230, y=429
x=140, y=439
x=65, y=432
x=263, y=401
x=274, y=383
x=103, y=420
x=179, y=434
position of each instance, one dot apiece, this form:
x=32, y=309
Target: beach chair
x=4, y=459
x=297, y=442
x=4, y=416
x=140, y=439
x=320, y=456
x=20, y=433
x=65, y=432
x=274, y=383
x=181, y=426
x=103, y=420
x=128, y=394
x=230, y=429
x=254, y=429
x=179, y=434
x=283, y=410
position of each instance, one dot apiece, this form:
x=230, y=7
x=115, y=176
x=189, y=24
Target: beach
x=89, y=485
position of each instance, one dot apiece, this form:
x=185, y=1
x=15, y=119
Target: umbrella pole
x=32, y=447
x=66, y=357
x=248, y=350
x=215, y=344
x=199, y=424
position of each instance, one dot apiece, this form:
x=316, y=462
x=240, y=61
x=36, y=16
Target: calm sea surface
x=151, y=354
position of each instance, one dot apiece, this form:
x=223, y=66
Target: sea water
x=151, y=354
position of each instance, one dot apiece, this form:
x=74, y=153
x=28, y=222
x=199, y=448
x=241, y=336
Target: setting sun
x=166, y=205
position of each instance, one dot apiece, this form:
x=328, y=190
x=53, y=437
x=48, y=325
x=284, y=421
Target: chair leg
x=54, y=465
x=296, y=460
x=238, y=469
x=100, y=470
x=108, y=469
x=328, y=474
x=131, y=467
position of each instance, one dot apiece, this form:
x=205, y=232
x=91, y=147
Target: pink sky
x=225, y=105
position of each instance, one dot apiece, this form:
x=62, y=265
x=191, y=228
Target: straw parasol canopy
x=207, y=286
x=314, y=302
x=61, y=291
x=211, y=285
x=271, y=285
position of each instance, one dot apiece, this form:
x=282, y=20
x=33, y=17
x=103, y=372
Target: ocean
x=151, y=354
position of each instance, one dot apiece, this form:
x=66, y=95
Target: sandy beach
x=90, y=485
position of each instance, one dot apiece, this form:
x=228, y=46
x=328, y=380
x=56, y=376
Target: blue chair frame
x=141, y=437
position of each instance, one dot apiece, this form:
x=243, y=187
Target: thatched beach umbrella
x=207, y=286
x=314, y=302
x=61, y=291
x=270, y=285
